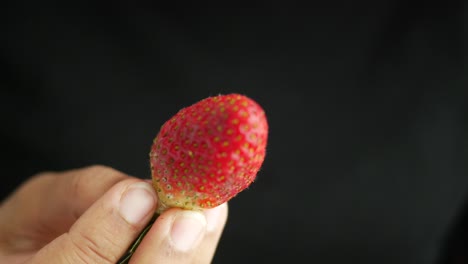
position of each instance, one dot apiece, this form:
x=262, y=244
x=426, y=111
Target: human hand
x=92, y=215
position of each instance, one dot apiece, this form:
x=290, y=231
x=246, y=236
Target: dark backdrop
x=366, y=101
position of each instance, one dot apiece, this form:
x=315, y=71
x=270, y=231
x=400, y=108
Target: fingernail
x=137, y=202
x=212, y=217
x=187, y=229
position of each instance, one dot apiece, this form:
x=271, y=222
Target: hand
x=92, y=215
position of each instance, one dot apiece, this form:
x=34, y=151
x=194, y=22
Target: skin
x=79, y=216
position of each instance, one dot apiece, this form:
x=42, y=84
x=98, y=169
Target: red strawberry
x=208, y=152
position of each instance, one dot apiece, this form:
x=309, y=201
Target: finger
x=48, y=204
x=173, y=238
x=86, y=186
x=106, y=230
x=216, y=220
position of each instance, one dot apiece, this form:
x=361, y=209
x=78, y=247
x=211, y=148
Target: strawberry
x=208, y=152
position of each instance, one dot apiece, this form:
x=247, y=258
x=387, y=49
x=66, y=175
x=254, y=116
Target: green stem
x=126, y=257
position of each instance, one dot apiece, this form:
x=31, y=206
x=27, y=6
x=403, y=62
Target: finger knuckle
x=87, y=250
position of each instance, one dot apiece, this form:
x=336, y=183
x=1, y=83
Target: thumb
x=106, y=230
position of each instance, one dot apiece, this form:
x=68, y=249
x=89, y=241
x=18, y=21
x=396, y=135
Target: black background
x=366, y=102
